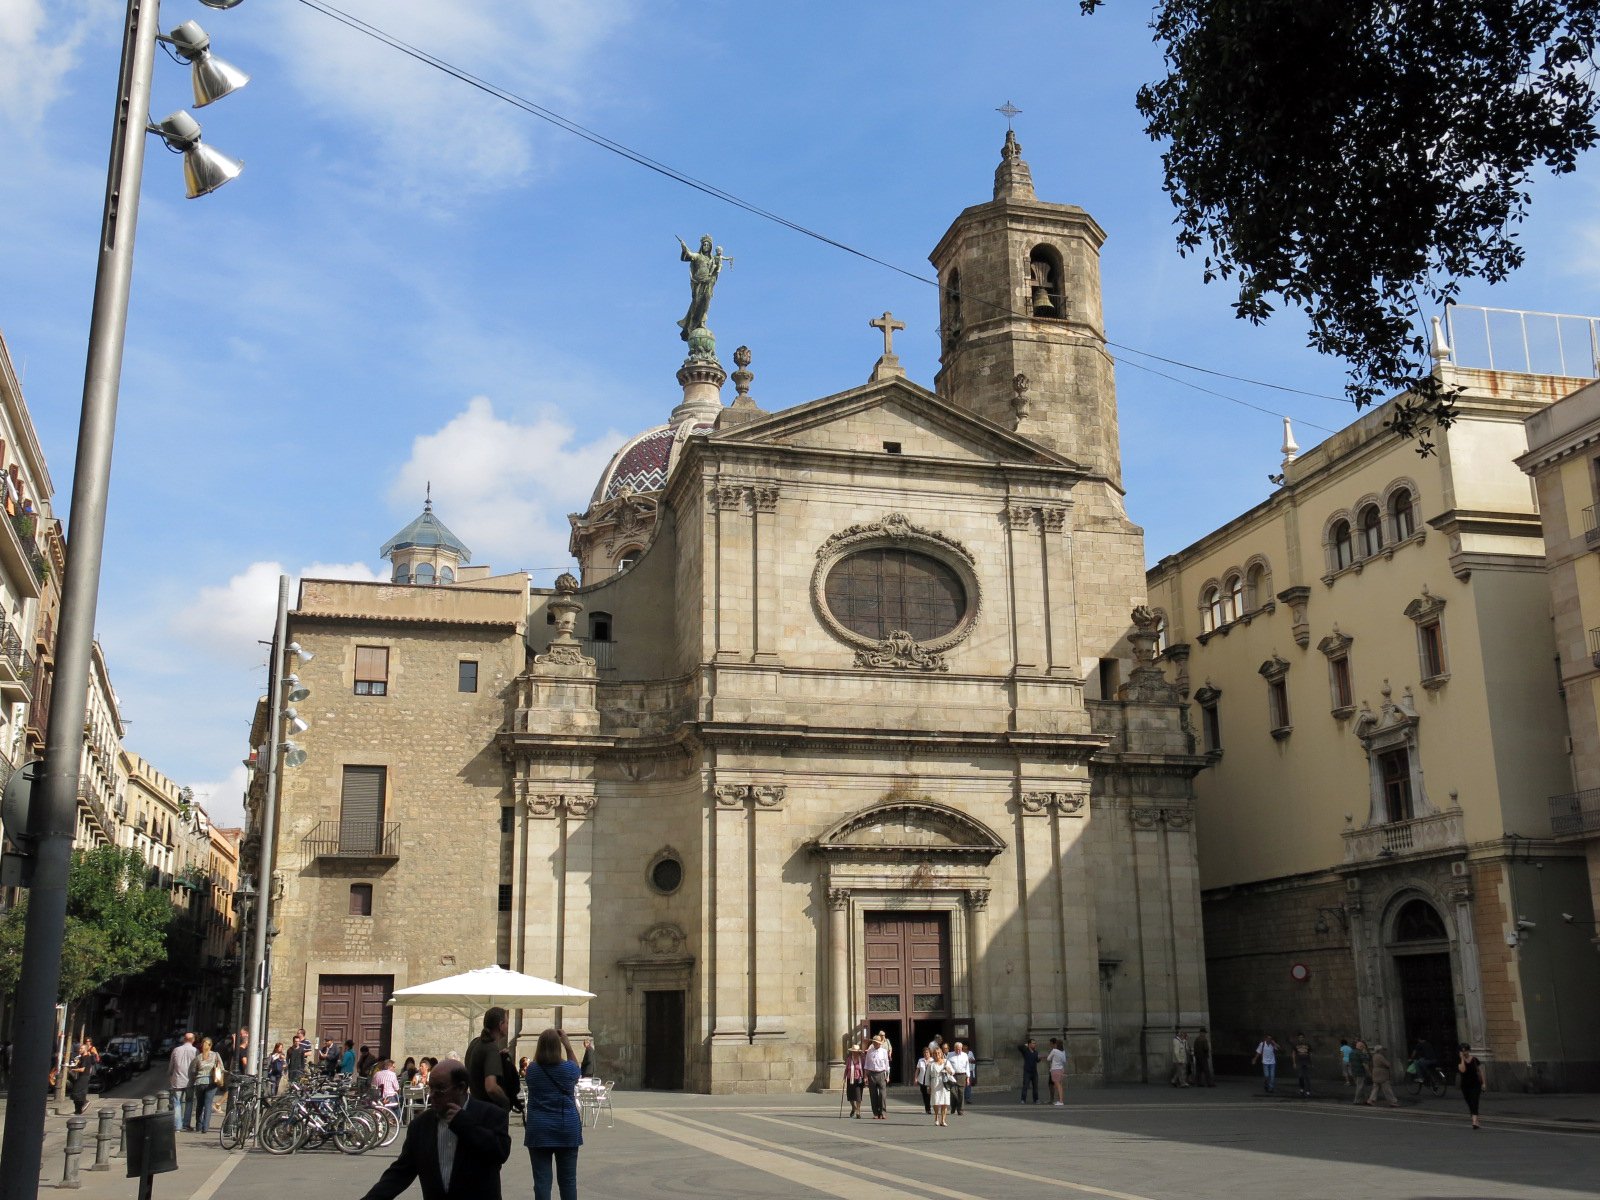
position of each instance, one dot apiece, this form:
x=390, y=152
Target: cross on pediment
x=888, y=325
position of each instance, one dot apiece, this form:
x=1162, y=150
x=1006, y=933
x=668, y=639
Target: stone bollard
x=130, y=1110
x=102, y=1140
x=69, y=1168
x=147, y=1105
x=163, y=1102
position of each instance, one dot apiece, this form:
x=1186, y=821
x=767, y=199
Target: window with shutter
x=361, y=810
x=372, y=670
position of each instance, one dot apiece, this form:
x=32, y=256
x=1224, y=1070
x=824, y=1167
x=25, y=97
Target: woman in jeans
x=206, y=1064
x=555, y=1128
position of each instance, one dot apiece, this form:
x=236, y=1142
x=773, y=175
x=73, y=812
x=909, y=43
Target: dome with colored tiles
x=644, y=462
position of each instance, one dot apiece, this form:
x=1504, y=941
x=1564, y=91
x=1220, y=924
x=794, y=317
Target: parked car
x=133, y=1049
x=111, y=1070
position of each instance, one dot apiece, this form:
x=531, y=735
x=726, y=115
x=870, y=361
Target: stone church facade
x=851, y=714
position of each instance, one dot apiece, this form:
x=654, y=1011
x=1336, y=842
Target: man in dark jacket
x=455, y=1149
x=1030, y=1070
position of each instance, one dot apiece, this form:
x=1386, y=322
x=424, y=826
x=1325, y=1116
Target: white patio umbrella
x=488, y=987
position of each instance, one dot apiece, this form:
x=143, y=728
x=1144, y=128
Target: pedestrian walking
x=555, y=1127
x=941, y=1087
x=455, y=1149
x=208, y=1080
x=1381, y=1073
x=1345, y=1051
x=1179, y=1076
x=1205, y=1074
x=1470, y=1071
x=877, y=1065
x=1057, y=1061
x=960, y=1072
x=924, y=1078
x=1360, y=1068
x=1267, y=1056
x=1030, y=1070
x=180, y=1074
x=1302, y=1064
x=855, y=1076
x=79, y=1073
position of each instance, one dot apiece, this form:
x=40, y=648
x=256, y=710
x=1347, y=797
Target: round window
x=666, y=875
x=877, y=592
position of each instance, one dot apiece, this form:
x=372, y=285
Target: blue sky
x=412, y=281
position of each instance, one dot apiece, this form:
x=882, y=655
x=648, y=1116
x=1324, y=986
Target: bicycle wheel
x=1414, y=1084
x=228, y=1135
x=356, y=1134
x=281, y=1133
x=1438, y=1084
x=388, y=1125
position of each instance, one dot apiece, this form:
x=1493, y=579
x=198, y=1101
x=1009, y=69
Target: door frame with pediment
x=905, y=855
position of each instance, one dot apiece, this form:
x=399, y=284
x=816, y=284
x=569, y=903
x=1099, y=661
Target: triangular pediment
x=894, y=410
x=920, y=828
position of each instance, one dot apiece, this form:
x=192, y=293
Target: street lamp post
x=54, y=812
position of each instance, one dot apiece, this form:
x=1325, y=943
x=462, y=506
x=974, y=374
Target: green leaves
x=1359, y=160
x=116, y=925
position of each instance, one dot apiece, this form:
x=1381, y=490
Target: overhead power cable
x=605, y=143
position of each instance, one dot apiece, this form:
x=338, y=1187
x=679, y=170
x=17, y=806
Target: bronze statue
x=704, y=267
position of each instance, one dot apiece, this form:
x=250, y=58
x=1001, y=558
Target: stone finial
x=1291, y=448
x=1021, y=405
x=887, y=367
x=1013, y=179
x=743, y=408
x=1439, y=348
x=566, y=583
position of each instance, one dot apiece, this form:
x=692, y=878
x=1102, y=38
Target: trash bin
x=152, y=1145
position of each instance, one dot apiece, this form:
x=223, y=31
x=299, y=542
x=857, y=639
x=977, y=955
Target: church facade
x=850, y=714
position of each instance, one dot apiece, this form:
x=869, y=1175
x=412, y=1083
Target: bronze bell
x=1043, y=304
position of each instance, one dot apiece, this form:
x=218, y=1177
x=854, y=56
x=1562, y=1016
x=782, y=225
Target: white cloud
x=227, y=620
x=435, y=135
x=38, y=50
x=223, y=799
x=502, y=487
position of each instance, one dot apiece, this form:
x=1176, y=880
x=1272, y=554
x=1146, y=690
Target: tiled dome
x=644, y=462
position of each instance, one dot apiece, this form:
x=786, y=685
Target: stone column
x=577, y=907
x=1080, y=950
x=1185, y=921
x=731, y=911
x=1041, y=916
x=768, y=967
x=977, y=972
x=1470, y=965
x=731, y=561
x=1028, y=614
x=841, y=1017
x=542, y=899
x=519, y=884
x=1155, y=941
x=764, y=581
x=1060, y=595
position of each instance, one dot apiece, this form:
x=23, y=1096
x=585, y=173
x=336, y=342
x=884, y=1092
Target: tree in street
x=1359, y=160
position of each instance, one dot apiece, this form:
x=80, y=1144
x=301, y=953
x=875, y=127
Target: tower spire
x=1013, y=178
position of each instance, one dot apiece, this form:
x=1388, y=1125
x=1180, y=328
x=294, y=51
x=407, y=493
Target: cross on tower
x=888, y=325
x=1009, y=111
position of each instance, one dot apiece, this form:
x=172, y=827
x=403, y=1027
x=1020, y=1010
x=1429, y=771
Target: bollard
x=163, y=1102
x=102, y=1140
x=69, y=1168
x=147, y=1105
x=130, y=1110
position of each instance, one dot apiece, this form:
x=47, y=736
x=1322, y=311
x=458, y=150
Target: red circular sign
x=1299, y=972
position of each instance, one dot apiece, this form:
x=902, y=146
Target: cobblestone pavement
x=1121, y=1143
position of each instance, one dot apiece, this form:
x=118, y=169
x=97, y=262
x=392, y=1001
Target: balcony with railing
x=16, y=665
x=90, y=799
x=353, y=839
x=24, y=563
x=1591, y=525
x=1576, y=812
x=1396, y=839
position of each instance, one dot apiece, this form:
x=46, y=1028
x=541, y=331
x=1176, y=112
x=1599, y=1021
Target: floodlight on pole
x=296, y=723
x=52, y=818
x=204, y=168
x=304, y=656
x=212, y=77
x=297, y=691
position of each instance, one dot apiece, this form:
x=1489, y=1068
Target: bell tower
x=1019, y=288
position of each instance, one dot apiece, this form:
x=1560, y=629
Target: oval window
x=877, y=592
x=666, y=875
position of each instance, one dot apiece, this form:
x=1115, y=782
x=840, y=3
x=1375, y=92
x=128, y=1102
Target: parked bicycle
x=1430, y=1076
x=241, y=1119
x=321, y=1110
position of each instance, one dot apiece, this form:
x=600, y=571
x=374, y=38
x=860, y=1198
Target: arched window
x=402, y=573
x=1044, y=283
x=600, y=627
x=1371, y=531
x=627, y=558
x=1210, y=609
x=1233, y=604
x=1339, y=543
x=1257, y=586
x=1419, y=921
x=446, y=575
x=1402, y=514
x=424, y=572
x=1161, y=633
x=952, y=307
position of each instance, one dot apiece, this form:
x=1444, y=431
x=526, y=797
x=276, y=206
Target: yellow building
x=1369, y=658
x=1564, y=460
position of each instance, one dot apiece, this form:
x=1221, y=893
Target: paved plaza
x=1125, y=1143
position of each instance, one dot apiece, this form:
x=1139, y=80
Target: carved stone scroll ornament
x=893, y=527
x=663, y=940
x=543, y=804
x=1066, y=804
x=900, y=651
x=1177, y=818
x=563, y=655
x=730, y=795
x=765, y=795
x=1144, y=818
x=768, y=795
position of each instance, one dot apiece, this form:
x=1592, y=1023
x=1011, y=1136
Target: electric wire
x=605, y=143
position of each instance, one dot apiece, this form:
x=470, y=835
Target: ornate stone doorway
x=907, y=977
x=663, y=1040
x=1420, y=947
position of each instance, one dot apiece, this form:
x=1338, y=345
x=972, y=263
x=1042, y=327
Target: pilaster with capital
x=732, y=560
x=840, y=1018
x=1043, y=966
x=577, y=903
x=1028, y=599
x=764, y=584
x=731, y=912
x=978, y=969
x=1060, y=592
